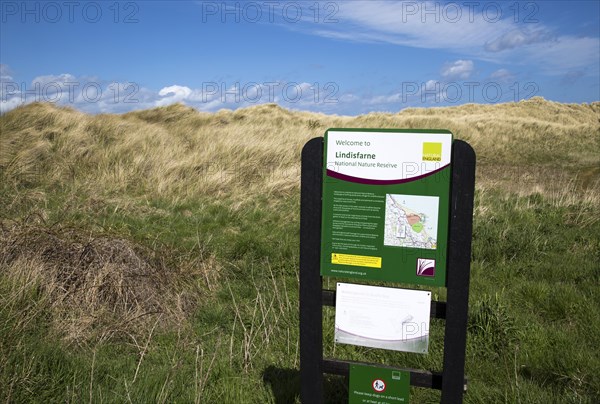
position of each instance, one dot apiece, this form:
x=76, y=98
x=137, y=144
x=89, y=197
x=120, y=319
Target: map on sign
x=411, y=221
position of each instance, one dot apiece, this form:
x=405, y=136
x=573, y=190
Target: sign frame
x=451, y=380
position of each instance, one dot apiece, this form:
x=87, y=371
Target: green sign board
x=386, y=205
x=373, y=385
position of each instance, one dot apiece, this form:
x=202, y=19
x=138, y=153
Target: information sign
x=378, y=317
x=386, y=205
x=370, y=384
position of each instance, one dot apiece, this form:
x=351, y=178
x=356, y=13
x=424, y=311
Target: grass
x=153, y=256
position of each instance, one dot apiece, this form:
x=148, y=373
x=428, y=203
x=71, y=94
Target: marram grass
x=153, y=256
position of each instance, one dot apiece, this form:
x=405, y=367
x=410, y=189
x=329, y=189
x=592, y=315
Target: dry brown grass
x=95, y=285
x=179, y=153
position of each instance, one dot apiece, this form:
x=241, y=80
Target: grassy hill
x=153, y=256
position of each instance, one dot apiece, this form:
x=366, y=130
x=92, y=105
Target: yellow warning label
x=356, y=260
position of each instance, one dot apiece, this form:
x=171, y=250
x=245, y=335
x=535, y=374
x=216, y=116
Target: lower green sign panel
x=374, y=385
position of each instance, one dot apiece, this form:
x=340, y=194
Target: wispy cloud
x=410, y=24
x=465, y=29
x=516, y=38
x=502, y=75
x=564, y=54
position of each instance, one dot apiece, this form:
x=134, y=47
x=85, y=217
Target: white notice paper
x=378, y=317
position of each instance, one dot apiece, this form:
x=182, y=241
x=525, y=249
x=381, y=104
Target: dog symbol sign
x=379, y=385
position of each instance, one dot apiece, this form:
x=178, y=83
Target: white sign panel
x=387, y=156
x=379, y=317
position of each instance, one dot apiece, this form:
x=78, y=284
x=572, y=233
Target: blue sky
x=342, y=57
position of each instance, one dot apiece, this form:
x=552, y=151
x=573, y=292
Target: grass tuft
x=96, y=285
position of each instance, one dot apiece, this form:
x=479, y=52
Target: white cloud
x=94, y=95
x=517, y=38
x=84, y=93
x=9, y=104
x=428, y=92
x=383, y=99
x=173, y=94
x=54, y=79
x=460, y=69
x=502, y=75
x=5, y=73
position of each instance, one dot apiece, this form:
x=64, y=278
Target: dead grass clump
x=96, y=286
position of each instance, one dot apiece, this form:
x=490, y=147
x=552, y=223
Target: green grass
x=533, y=332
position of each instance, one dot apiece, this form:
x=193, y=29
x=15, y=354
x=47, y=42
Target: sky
x=336, y=57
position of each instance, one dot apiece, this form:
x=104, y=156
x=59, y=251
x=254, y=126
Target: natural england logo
x=432, y=151
x=425, y=267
